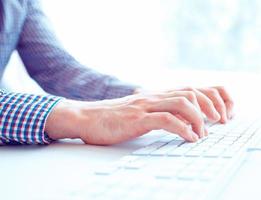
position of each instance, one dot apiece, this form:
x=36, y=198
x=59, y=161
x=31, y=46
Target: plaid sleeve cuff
x=23, y=118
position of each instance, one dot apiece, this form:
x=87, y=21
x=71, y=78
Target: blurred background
x=136, y=40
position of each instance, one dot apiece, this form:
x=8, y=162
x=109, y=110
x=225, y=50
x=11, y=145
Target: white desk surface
x=27, y=171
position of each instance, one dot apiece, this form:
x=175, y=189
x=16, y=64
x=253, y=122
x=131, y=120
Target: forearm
x=56, y=71
x=23, y=117
x=64, y=120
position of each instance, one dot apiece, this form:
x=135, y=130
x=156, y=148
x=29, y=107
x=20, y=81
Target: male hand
x=107, y=122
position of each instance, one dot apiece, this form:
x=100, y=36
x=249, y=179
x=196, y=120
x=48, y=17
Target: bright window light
x=116, y=35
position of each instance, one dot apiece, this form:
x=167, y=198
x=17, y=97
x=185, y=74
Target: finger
x=183, y=107
x=182, y=119
x=190, y=95
x=204, y=103
x=186, y=122
x=227, y=100
x=201, y=101
x=170, y=123
x=207, y=106
x=218, y=102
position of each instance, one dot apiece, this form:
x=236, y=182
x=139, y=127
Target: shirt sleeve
x=56, y=71
x=23, y=117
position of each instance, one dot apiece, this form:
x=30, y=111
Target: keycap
x=168, y=138
x=166, y=148
x=213, y=153
x=135, y=164
x=188, y=145
x=177, y=152
x=148, y=149
x=188, y=175
x=176, y=167
x=107, y=170
x=207, y=176
x=229, y=153
x=194, y=153
x=166, y=173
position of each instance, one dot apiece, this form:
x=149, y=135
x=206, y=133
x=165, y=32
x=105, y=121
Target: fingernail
x=202, y=132
x=224, y=118
x=194, y=136
x=205, y=132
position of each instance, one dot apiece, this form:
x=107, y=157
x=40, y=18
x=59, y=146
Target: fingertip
x=215, y=117
x=198, y=130
x=194, y=136
x=223, y=120
x=202, y=132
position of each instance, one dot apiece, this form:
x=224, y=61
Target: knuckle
x=213, y=91
x=147, y=99
x=142, y=101
x=220, y=107
x=209, y=103
x=230, y=103
x=139, y=101
x=133, y=112
x=221, y=88
x=191, y=96
x=198, y=120
x=166, y=118
x=190, y=88
x=182, y=101
x=201, y=122
x=184, y=130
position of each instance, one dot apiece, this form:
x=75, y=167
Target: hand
x=113, y=121
x=214, y=98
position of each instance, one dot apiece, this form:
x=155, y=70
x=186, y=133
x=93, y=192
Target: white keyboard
x=171, y=168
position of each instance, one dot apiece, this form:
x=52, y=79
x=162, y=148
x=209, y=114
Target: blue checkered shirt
x=25, y=28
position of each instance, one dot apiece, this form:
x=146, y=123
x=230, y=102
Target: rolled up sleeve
x=55, y=70
x=23, y=118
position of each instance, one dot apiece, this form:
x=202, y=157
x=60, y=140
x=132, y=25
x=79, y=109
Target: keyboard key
x=129, y=158
x=166, y=148
x=167, y=173
x=135, y=164
x=213, y=152
x=170, y=137
x=208, y=176
x=194, y=153
x=229, y=153
x=188, y=175
x=227, y=142
x=171, y=166
x=148, y=149
x=188, y=145
x=107, y=170
x=178, y=152
x=201, y=148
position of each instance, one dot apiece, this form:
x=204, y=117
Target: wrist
x=62, y=121
x=139, y=90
